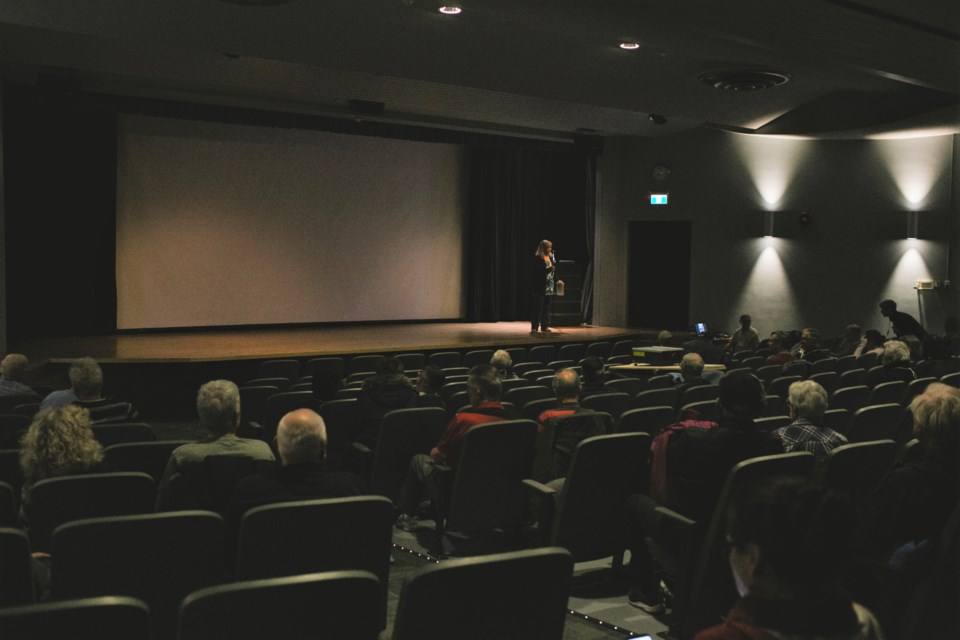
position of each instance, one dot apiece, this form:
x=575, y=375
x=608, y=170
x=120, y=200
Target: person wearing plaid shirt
x=807, y=402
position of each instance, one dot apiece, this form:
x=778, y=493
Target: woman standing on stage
x=543, y=281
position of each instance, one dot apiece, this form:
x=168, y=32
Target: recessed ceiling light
x=450, y=9
x=629, y=46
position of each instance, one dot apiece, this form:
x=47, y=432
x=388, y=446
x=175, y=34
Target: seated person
x=710, y=353
x=871, y=342
x=779, y=351
x=86, y=385
x=691, y=372
x=593, y=377
x=218, y=405
x=849, y=342
x=388, y=389
x=809, y=346
x=746, y=338
x=896, y=365
x=937, y=361
x=789, y=542
x=302, y=444
x=697, y=463
x=483, y=389
x=429, y=381
x=807, y=402
x=503, y=363
x=13, y=369
x=566, y=386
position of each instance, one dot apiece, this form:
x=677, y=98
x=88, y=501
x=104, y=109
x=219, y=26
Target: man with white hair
x=807, y=403
x=503, y=363
x=13, y=369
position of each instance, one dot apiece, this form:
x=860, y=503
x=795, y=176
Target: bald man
x=302, y=444
x=566, y=385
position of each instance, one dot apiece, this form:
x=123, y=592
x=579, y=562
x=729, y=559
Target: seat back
x=708, y=410
x=336, y=604
x=12, y=428
x=666, y=397
x=630, y=386
x=560, y=437
x=699, y=394
x=403, y=433
x=146, y=457
x=753, y=362
x=309, y=536
x=365, y=363
x=573, y=351
x=253, y=402
x=600, y=349
x=516, y=595
x=279, y=368
x=444, y=359
x=450, y=388
x=16, y=577
x=55, y=501
x=852, y=378
x=796, y=368
x=533, y=409
x=517, y=354
x=159, y=558
x=208, y=484
x=603, y=472
x=120, y=432
x=780, y=386
x=650, y=420
x=8, y=506
x=915, y=388
x=857, y=468
x=10, y=471
x=663, y=381
x=875, y=422
x=412, y=362
x=823, y=365
x=103, y=618
x=332, y=364
x=887, y=392
x=829, y=380
x=477, y=356
x=487, y=491
x=520, y=396
x=340, y=417
x=542, y=353
x=837, y=419
x=613, y=403
x=850, y=398
x=772, y=423
x=769, y=372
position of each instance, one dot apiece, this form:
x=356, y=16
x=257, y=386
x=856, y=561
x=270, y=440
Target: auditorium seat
x=837, y=419
x=334, y=604
x=146, y=457
x=444, y=359
x=28, y=409
x=12, y=428
x=629, y=386
x=103, y=618
x=559, y=438
x=852, y=378
x=412, y=362
x=520, y=396
x=664, y=381
x=120, y=432
x=952, y=379
x=767, y=373
x=772, y=423
x=699, y=394
x=280, y=383
x=533, y=409
x=613, y=403
x=622, y=348
x=450, y=388
x=542, y=353
x=915, y=388
x=253, y=403
x=533, y=374
x=519, y=594
x=573, y=351
x=363, y=363
x=885, y=392
x=8, y=506
x=857, y=468
x=10, y=471
x=557, y=365
x=875, y=422
x=829, y=380
x=708, y=410
x=824, y=365
x=340, y=417
x=279, y=368
x=752, y=362
x=208, y=484
x=517, y=354
x=545, y=381
x=600, y=349
x=16, y=578
x=512, y=383
x=868, y=360
x=333, y=365
x=850, y=398
x=650, y=420
x=7, y=403
x=781, y=386
x=845, y=363
x=479, y=356
x=665, y=397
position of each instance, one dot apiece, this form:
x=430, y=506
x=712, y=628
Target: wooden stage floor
x=279, y=342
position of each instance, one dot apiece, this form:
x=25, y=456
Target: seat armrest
x=360, y=449
x=544, y=507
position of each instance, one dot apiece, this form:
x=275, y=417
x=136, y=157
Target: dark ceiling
x=549, y=68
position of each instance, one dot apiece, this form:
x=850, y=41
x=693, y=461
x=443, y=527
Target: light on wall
x=913, y=222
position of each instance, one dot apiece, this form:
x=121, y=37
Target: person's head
x=745, y=321
x=810, y=339
x=218, y=405
x=895, y=352
x=951, y=325
x=301, y=437
x=501, y=360
x=778, y=341
x=592, y=368
x=874, y=338
x=691, y=366
x=430, y=379
x=888, y=308
x=325, y=385
x=936, y=417
x=59, y=442
x=388, y=366
x=807, y=399
x=86, y=378
x=742, y=395
x=935, y=347
x=14, y=367
x=545, y=248
x=664, y=338
x=852, y=333
x=788, y=537
x=566, y=385
x=483, y=383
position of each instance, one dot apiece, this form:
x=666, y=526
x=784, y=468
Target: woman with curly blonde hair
x=59, y=442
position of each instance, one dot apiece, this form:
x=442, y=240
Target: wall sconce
x=768, y=224
x=913, y=222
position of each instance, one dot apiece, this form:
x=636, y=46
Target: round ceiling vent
x=744, y=80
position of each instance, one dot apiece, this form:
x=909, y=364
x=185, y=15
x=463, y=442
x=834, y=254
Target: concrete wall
x=832, y=271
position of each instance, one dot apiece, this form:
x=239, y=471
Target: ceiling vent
x=744, y=80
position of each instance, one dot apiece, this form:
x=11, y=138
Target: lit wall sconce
x=913, y=222
x=768, y=224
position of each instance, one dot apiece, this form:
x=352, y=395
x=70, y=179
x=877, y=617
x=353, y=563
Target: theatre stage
x=279, y=342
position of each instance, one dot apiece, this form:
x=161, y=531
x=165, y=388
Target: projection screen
x=223, y=224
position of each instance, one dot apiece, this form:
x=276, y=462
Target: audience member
x=872, y=342
x=59, y=442
x=503, y=363
x=325, y=385
x=691, y=372
x=902, y=324
x=591, y=382
x=302, y=445
x=807, y=402
x=218, y=405
x=849, y=342
x=566, y=386
x=483, y=390
x=388, y=389
x=746, y=338
x=711, y=353
x=779, y=349
x=664, y=338
x=697, y=463
x=896, y=365
x=13, y=369
x=429, y=381
x=937, y=361
x=809, y=348
x=86, y=390
x=789, y=542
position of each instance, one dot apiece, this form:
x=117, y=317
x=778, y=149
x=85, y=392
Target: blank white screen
x=231, y=225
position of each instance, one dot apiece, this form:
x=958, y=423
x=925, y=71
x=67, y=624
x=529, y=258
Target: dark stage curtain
x=517, y=198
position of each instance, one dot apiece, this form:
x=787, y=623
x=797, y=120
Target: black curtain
x=517, y=198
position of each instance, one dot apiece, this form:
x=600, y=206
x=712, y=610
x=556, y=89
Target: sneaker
x=643, y=601
x=407, y=523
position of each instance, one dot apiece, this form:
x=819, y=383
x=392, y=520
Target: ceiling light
x=450, y=9
x=629, y=46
